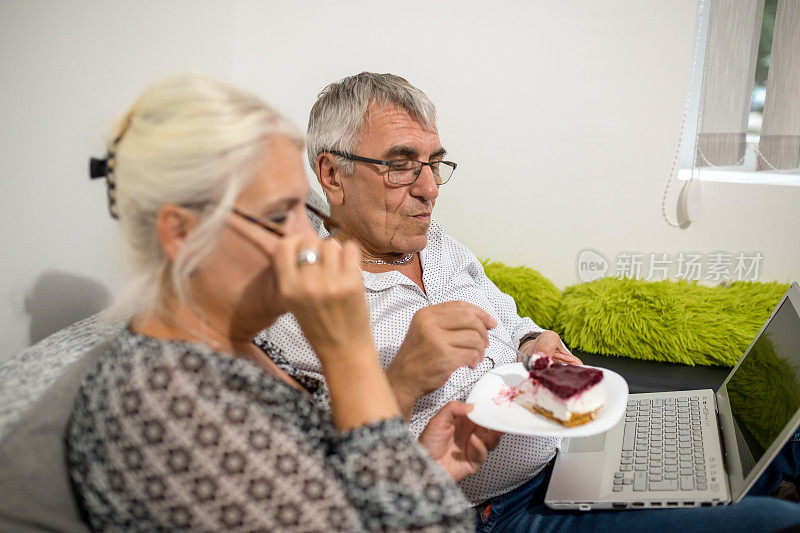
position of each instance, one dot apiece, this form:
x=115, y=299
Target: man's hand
x=549, y=343
x=441, y=338
x=455, y=442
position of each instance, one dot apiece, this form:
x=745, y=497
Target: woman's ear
x=329, y=175
x=173, y=224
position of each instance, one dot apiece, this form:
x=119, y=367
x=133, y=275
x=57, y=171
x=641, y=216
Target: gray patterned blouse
x=171, y=435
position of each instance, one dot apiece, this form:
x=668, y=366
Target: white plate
x=510, y=417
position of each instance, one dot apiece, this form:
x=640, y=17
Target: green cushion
x=536, y=296
x=675, y=321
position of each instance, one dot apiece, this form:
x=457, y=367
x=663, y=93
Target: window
x=748, y=104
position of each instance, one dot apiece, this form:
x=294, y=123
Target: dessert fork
x=526, y=360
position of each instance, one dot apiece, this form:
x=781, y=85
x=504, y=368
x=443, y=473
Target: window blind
x=779, y=146
x=734, y=28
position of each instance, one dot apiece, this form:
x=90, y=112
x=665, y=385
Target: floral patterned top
x=172, y=435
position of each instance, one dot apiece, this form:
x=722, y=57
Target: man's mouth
x=426, y=217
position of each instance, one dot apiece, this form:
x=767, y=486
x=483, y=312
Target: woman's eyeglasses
x=330, y=224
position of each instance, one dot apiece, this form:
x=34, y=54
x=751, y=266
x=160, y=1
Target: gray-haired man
x=439, y=323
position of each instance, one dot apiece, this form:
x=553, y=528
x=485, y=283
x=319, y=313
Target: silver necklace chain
x=402, y=261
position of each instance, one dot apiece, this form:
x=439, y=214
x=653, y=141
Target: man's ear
x=329, y=174
x=173, y=224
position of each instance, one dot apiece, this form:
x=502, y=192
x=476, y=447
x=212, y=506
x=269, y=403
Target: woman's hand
x=326, y=297
x=455, y=442
x=549, y=343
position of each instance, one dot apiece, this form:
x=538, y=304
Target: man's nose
x=425, y=187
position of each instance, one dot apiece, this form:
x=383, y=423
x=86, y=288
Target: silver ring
x=309, y=256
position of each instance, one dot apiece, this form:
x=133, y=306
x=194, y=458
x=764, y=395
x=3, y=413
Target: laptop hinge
x=722, y=448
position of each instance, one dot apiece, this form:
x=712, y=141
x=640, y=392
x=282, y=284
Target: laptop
x=692, y=448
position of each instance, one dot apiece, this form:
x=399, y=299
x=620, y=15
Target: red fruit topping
x=566, y=380
x=541, y=363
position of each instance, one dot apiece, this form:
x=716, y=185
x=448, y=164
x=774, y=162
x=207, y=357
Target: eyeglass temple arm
x=331, y=225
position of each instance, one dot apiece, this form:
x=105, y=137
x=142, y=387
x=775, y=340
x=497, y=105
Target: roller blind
x=779, y=146
x=734, y=28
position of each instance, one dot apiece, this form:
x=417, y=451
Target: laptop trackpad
x=587, y=444
x=578, y=472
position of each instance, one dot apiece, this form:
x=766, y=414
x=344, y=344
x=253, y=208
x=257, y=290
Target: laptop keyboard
x=662, y=447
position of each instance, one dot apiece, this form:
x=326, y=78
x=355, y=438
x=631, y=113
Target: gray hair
x=192, y=141
x=341, y=109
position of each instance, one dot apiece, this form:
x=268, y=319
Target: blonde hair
x=193, y=141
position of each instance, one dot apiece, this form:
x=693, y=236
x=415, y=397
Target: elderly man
x=439, y=323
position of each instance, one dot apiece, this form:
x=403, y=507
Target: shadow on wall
x=59, y=299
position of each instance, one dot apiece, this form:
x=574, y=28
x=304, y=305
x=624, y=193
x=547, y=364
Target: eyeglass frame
x=331, y=225
x=353, y=157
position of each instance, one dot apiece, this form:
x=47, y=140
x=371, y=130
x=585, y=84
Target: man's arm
x=441, y=339
x=504, y=305
x=530, y=337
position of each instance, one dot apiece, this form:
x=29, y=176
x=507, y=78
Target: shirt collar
x=429, y=255
x=322, y=232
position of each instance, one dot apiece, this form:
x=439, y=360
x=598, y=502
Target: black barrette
x=98, y=168
x=104, y=168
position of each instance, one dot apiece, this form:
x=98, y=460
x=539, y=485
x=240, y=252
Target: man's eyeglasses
x=406, y=171
x=330, y=224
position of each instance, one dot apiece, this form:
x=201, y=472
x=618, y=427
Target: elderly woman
x=185, y=422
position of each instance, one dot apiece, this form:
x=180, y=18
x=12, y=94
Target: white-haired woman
x=186, y=423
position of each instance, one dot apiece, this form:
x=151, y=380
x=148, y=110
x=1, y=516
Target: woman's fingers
x=302, y=275
x=326, y=295
x=454, y=409
x=476, y=450
x=286, y=264
x=489, y=437
x=332, y=259
x=351, y=258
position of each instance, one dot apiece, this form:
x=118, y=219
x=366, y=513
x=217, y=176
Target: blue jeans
x=523, y=508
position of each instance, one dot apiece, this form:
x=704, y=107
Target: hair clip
x=104, y=168
x=98, y=168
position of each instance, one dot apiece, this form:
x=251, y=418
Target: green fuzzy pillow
x=675, y=321
x=535, y=295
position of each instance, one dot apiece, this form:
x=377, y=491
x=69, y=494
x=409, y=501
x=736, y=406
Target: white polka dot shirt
x=449, y=272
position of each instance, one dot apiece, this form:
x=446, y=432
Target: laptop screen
x=764, y=391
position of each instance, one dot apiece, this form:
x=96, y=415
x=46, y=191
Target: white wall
x=563, y=118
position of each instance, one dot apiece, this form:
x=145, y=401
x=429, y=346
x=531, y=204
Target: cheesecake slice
x=568, y=394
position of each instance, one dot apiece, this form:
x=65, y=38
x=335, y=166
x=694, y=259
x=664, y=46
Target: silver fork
x=526, y=360
x=523, y=358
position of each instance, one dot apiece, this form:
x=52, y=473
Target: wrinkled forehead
x=379, y=105
x=388, y=124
